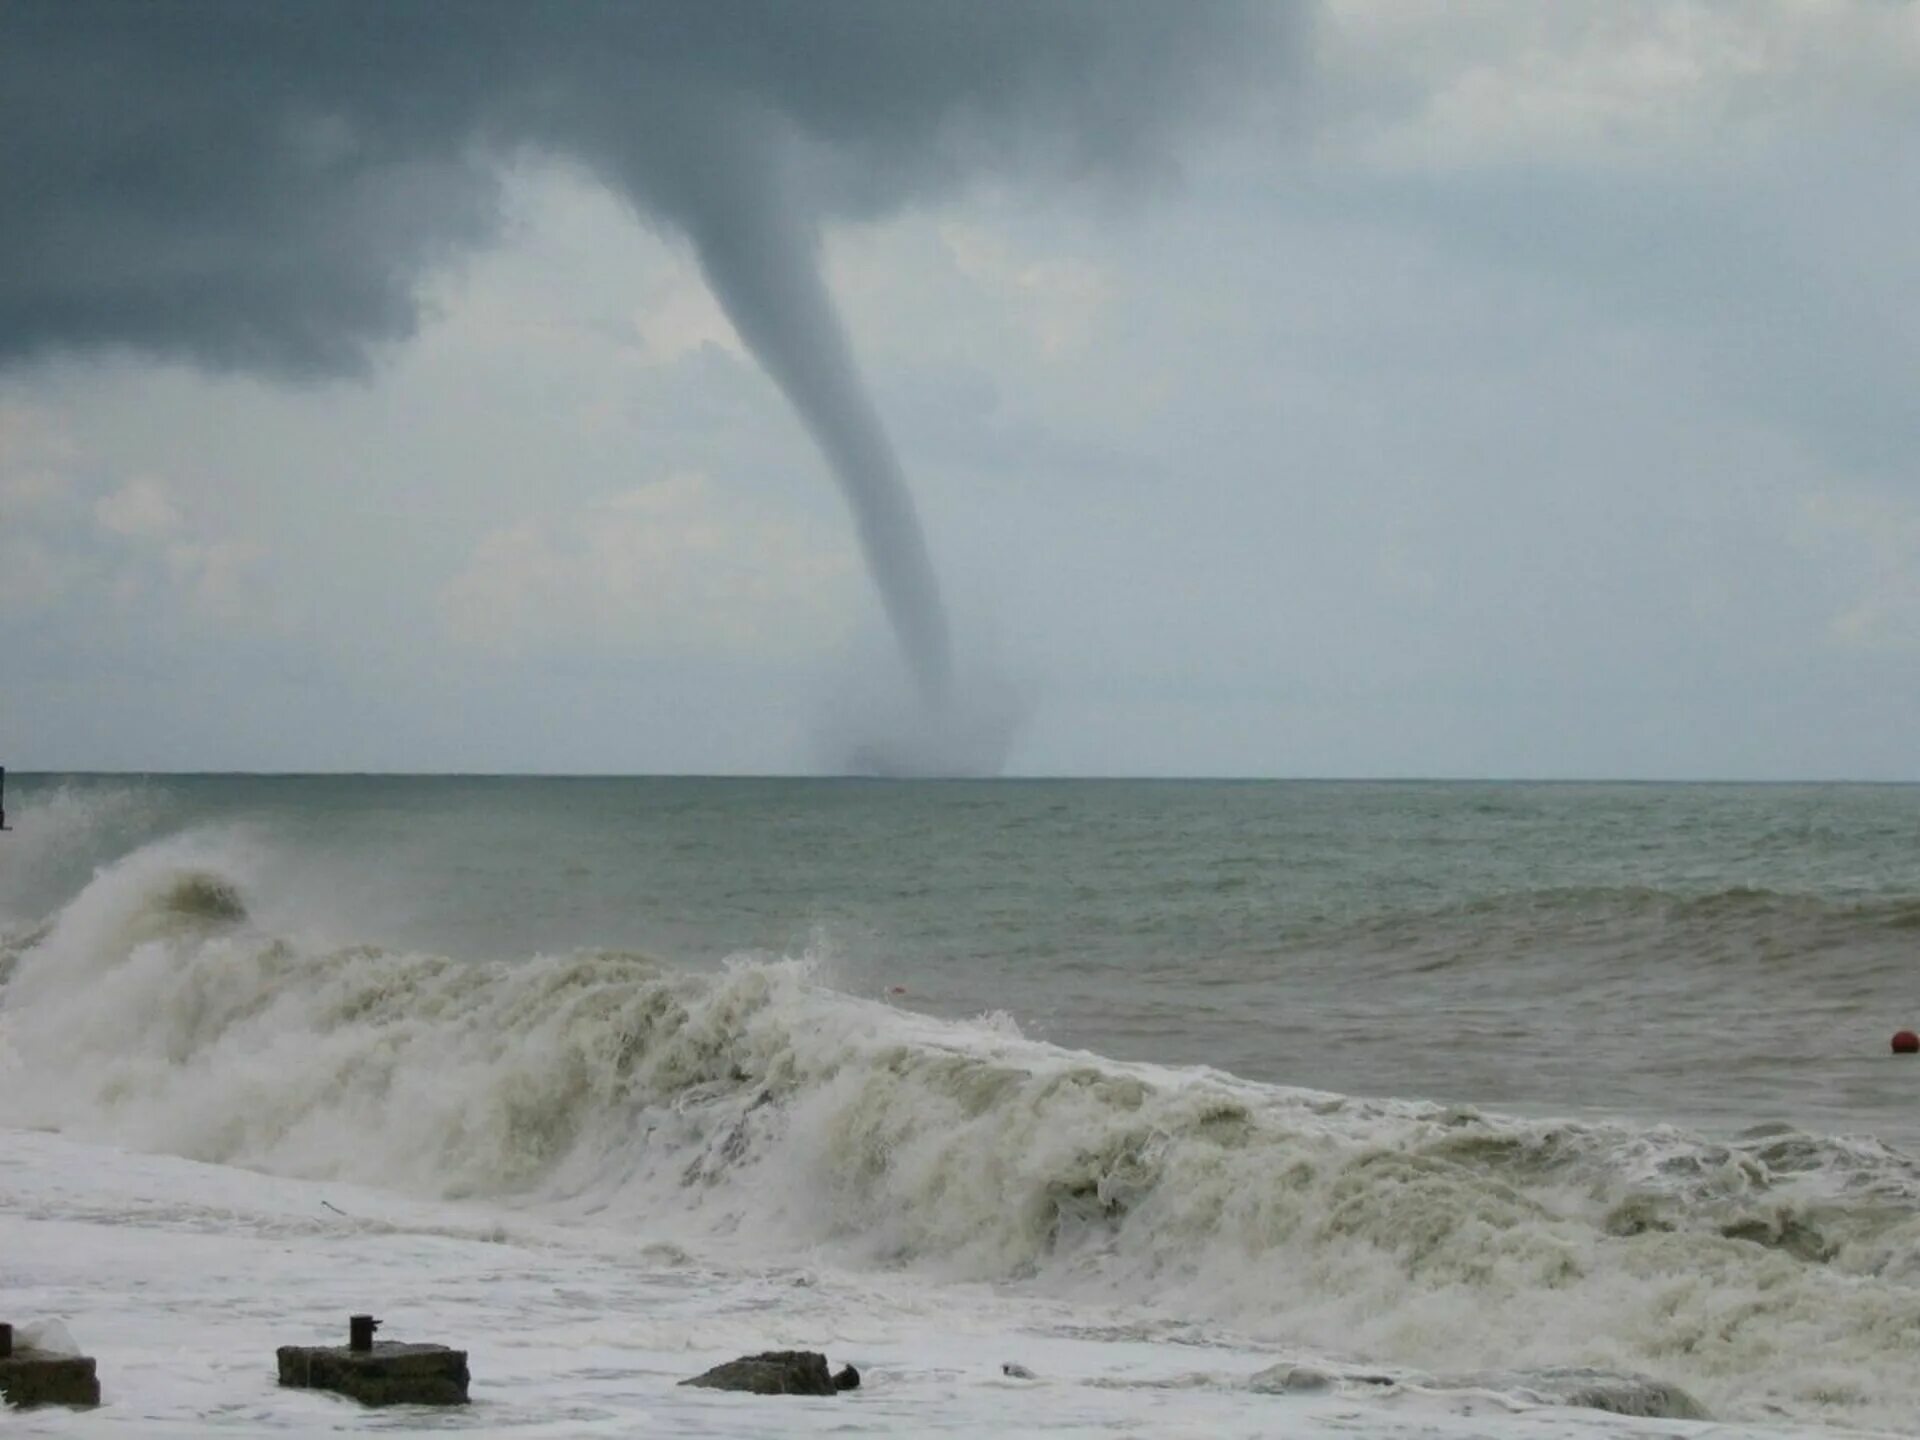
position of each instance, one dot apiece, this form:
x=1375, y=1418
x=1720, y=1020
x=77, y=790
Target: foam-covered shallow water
x=603, y=1168
x=182, y=1278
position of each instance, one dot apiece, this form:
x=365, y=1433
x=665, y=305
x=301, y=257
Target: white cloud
x=35, y=455
x=139, y=510
x=680, y=317
x=222, y=577
x=674, y=567
x=36, y=458
x=1059, y=300
x=168, y=551
x=1882, y=535
x=1602, y=81
x=32, y=576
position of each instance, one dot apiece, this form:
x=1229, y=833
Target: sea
x=1081, y=1107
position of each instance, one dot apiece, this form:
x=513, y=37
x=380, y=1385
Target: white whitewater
x=601, y=1173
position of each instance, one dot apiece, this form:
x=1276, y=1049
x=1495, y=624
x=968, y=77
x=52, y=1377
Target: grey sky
x=1490, y=389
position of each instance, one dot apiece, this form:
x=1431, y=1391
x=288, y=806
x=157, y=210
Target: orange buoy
x=1906, y=1043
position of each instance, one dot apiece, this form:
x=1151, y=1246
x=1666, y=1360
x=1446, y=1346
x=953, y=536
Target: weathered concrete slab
x=31, y=1377
x=387, y=1374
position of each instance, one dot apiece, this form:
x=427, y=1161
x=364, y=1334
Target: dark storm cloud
x=198, y=181
x=259, y=185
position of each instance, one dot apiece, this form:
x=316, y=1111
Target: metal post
x=360, y=1330
x=6, y=1342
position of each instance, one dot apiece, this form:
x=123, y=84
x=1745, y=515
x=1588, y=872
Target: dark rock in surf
x=1616, y=1392
x=1639, y=1396
x=779, y=1372
x=1286, y=1379
x=1799, y=1240
x=1289, y=1379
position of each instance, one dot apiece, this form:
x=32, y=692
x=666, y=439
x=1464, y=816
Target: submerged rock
x=779, y=1372
x=1285, y=1379
x=1291, y=1379
x=201, y=895
x=1615, y=1392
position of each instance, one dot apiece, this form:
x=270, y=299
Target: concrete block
x=34, y=1377
x=378, y=1373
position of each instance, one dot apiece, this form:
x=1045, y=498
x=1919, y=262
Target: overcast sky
x=1478, y=389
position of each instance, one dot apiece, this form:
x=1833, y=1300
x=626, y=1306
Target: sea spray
x=756, y=1109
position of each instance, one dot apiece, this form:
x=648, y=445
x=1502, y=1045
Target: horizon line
x=1019, y=778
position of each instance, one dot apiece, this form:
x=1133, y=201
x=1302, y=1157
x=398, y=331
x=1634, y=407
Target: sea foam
x=757, y=1112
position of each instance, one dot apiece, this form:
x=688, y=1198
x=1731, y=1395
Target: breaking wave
x=758, y=1108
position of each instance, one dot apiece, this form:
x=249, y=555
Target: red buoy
x=1906, y=1043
